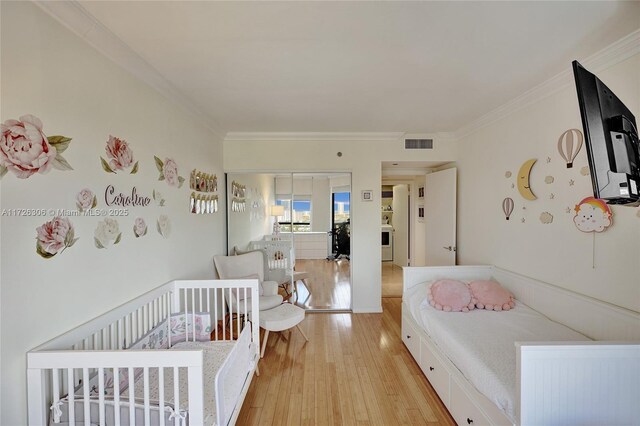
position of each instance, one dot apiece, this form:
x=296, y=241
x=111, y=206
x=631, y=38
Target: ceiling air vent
x=418, y=144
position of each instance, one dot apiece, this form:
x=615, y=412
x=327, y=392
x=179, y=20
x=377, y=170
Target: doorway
x=309, y=215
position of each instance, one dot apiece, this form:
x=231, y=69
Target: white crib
x=106, y=372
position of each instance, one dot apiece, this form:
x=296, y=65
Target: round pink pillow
x=491, y=296
x=451, y=296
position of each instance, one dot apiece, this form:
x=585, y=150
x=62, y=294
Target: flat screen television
x=611, y=137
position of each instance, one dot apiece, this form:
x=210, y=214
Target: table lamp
x=276, y=211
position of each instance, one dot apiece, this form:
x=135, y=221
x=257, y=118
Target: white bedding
x=482, y=343
x=214, y=355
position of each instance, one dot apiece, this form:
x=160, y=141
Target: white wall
x=49, y=72
x=247, y=226
x=363, y=158
x=556, y=253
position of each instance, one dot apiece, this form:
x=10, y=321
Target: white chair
x=281, y=260
x=248, y=265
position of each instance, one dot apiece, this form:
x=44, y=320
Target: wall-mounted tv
x=611, y=137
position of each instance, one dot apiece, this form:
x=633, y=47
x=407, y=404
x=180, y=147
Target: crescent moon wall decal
x=524, y=184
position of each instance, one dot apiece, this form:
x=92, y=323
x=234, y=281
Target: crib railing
x=80, y=365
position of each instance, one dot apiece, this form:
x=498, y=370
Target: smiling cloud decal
x=592, y=215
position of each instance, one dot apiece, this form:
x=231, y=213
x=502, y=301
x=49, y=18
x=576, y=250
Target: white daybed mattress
x=214, y=355
x=480, y=343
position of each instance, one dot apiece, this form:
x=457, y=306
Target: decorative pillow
x=491, y=296
x=451, y=296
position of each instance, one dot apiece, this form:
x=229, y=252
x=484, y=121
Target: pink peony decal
x=139, y=227
x=120, y=156
x=54, y=237
x=169, y=172
x=86, y=200
x=25, y=150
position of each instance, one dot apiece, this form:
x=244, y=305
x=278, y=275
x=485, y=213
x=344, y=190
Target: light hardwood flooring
x=328, y=285
x=354, y=370
x=391, y=280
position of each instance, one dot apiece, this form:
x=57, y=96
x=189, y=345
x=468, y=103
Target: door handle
x=450, y=248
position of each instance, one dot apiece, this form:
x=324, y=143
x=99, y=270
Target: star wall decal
x=571, y=182
x=548, y=160
x=523, y=220
x=568, y=210
x=552, y=196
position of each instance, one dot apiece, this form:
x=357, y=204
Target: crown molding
x=599, y=61
x=79, y=21
x=314, y=136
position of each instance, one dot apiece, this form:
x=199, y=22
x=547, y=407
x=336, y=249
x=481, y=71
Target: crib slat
x=161, y=393
x=237, y=312
x=116, y=396
x=132, y=391
x=176, y=394
x=200, y=297
x=101, y=396
x=56, y=385
x=193, y=317
x=215, y=312
x=147, y=413
x=85, y=393
x=72, y=403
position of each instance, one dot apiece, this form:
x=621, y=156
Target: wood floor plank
x=354, y=370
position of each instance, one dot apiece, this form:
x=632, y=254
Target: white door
x=400, y=219
x=440, y=218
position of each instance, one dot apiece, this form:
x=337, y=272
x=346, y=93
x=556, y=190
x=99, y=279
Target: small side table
x=282, y=317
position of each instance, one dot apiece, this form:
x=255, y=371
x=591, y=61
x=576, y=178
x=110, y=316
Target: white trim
x=314, y=136
x=78, y=20
x=603, y=59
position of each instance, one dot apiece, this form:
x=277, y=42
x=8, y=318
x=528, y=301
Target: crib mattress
x=214, y=355
x=481, y=344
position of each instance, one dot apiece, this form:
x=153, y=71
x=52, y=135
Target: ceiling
x=360, y=66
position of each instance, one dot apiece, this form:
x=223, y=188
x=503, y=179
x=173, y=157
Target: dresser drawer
x=435, y=371
x=411, y=338
x=463, y=410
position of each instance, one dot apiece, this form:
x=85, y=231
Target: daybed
x=162, y=346
x=533, y=365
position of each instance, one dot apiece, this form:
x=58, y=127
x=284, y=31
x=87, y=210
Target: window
x=341, y=208
x=301, y=214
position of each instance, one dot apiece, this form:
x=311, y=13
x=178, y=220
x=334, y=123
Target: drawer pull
x=431, y=369
x=469, y=421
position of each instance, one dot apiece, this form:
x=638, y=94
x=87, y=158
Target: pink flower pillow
x=492, y=296
x=451, y=296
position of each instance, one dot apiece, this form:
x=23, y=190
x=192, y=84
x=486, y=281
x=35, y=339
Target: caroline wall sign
x=130, y=199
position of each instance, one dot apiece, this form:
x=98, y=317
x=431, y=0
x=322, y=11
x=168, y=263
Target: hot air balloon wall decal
x=569, y=145
x=507, y=207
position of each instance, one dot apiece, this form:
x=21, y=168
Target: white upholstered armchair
x=249, y=265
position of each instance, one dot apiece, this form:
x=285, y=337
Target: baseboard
x=371, y=310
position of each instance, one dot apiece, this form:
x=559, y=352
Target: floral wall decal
x=139, y=227
x=86, y=200
x=169, y=172
x=119, y=155
x=107, y=231
x=25, y=150
x=164, y=225
x=158, y=198
x=54, y=237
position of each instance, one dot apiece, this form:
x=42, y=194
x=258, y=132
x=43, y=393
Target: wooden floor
x=329, y=284
x=391, y=280
x=354, y=370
